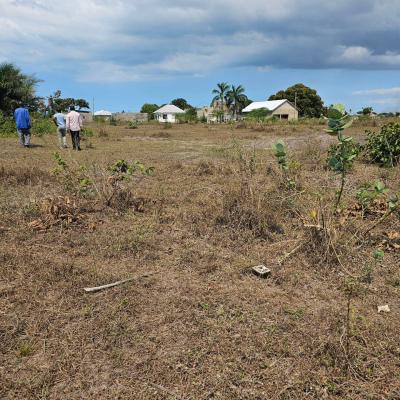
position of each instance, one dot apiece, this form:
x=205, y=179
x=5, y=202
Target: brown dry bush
x=59, y=210
x=24, y=175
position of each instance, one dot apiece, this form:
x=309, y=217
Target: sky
x=124, y=53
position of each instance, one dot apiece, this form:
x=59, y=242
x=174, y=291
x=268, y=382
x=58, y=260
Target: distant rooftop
x=169, y=109
x=270, y=105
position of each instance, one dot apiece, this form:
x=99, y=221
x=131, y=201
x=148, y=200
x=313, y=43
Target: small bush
x=86, y=132
x=133, y=125
x=384, y=147
x=42, y=126
x=7, y=126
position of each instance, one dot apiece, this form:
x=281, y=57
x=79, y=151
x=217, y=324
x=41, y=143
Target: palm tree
x=16, y=88
x=220, y=95
x=237, y=98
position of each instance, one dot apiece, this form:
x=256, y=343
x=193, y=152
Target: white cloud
x=125, y=40
x=363, y=56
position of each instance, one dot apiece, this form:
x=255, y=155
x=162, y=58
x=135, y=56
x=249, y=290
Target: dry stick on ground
x=110, y=285
x=287, y=255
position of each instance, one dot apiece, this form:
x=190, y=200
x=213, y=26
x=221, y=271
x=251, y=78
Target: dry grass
x=201, y=327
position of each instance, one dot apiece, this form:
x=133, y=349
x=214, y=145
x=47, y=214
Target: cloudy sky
x=124, y=53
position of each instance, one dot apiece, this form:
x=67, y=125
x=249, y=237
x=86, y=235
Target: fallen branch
x=287, y=255
x=110, y=285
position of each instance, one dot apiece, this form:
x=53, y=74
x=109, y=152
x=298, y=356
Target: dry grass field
x=195, y=323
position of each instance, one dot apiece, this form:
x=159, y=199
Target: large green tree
x=181, y=103
x=307, y=100
x=17, y=88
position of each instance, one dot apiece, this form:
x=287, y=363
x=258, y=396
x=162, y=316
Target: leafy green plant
x=85, y=184
x=341, y=160
x=369, y=193
x=124, y=167
x=384, y=147
x=287, y=166
x=61, y=163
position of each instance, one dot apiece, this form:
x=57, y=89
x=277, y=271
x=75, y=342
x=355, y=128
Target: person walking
x=59, y=120
x=23, y=123
x=74, y=125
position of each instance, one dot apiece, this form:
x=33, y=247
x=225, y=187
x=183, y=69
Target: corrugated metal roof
x=270, y=105
x=169, y=109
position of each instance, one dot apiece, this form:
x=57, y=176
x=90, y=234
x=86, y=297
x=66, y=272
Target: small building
x=103, y=115
x=282, y=109
x=168, y=113
x=213, y=114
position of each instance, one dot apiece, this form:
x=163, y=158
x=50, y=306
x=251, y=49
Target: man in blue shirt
x=59, y=120
x=23, y=123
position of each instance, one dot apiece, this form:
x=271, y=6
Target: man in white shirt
x=74, y=125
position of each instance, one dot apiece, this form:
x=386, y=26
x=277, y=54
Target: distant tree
x=307, y=100
x=259, y=114
x=367, y=111
x=181, y=103
x=55, y=102
x=149, y=108
x=237, y=99
x=191, y=114
x=17, y=88
x=221, y=97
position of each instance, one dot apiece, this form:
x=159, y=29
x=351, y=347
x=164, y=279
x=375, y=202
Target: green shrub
x=349, y=148
x=7, y=126
x=259, y=114
x=42, y=126
x=384, y=147
x=86, y=132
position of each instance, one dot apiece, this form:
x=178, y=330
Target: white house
x=168, y=113
x=103, y=113
x=283, y=109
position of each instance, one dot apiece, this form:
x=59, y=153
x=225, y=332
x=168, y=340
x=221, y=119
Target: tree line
x=17, y=88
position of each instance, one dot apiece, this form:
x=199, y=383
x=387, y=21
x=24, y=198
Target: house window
x=284, y=116
x=165, y=116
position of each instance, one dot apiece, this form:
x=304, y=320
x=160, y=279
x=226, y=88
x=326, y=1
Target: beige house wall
x=286, y=109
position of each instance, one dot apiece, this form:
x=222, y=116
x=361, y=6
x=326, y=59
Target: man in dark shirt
x=23, y=123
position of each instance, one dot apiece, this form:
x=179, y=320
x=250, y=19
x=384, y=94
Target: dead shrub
x=245, y=209
x=57, y=211
x=24, y=176
x=326, y=235
x=204, y=168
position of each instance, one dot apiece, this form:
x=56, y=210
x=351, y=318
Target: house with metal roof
x=168, y=113
x=282, y=109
